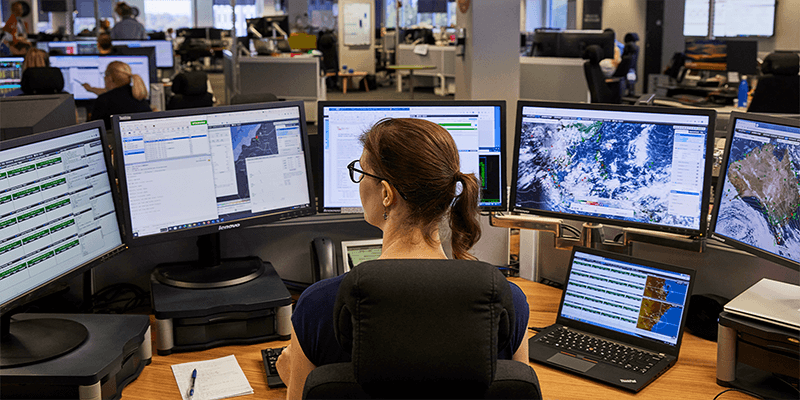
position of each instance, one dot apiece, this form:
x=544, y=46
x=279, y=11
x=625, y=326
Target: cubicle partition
x=552, y=78
x=442, y=57
x=288, y=78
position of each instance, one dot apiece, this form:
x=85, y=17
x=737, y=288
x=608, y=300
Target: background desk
x=693, y=377
x=443, y=58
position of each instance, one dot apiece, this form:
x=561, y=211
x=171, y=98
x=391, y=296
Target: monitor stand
x=209, y=270
x=32, y=341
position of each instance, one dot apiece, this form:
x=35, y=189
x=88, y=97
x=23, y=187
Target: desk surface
x=693, y=377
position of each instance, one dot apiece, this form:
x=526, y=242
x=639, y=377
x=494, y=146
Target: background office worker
x=408, y=177
x=128, y=28
x=125, y=92
x=38, y=77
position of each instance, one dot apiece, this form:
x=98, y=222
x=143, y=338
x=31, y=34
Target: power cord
x=119, y=298
x=571, y=229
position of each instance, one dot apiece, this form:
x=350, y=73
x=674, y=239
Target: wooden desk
x=346, y=78
x=693, y=377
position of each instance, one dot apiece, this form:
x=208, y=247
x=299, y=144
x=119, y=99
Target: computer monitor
x=757, y=199
x=627, y=166
x=149, y=52
x=10, y=75
x=264, y=25
x=91, y=69
x=57, y=218
x=545, y=43
x=706, y=55
x=71, y=48
x=164, y=55
x=574, y=43
x=478, y=128
x=202, y=171
x=741, y=56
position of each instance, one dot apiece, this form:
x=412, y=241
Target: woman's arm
x=521, y=354
x=293, y=367
x=90, y=88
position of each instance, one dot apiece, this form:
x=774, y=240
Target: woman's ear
x=387, y=194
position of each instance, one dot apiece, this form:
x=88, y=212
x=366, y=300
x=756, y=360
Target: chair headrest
x=420, y=320
x=631, y=37
x=593, y=53
x=781, y=63
x=191, y=83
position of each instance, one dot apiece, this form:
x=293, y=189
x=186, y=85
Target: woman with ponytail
x=410, y=186
x=124, y=93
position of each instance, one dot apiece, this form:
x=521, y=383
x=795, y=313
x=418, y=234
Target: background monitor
x=757, y=203
x=264, y=25
x=164, y=53
x=91, y=70
x=201, y=171
x=10, y=74
x=708, y=55
x=72, y=48
x=545, y=43
x=627, y=166
x=149, y=52
x=57, y=218
x=741, y=56
x=478, y=128
x=573, y=43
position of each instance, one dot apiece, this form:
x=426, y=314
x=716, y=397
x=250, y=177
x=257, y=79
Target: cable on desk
x=571, y=229
x=118, y=299
x=740, y=391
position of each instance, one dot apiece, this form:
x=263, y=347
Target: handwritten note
x=216, y=379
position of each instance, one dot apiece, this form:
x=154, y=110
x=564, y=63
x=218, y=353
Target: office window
x=223, y=16
x=409, y=15
x=557, y=14
x=159, y=15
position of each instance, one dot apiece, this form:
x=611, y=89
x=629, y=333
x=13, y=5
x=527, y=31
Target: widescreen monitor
x=707, y=55
x=741, y=56
x=478, y=128
x=91, y=69
x=164, y=54
x=757, y=203
x=202, y=171
x=58, y=217
x=10, y=75
x=732, y=18
x=627, y=166
x=72, y=48
x=574, y=43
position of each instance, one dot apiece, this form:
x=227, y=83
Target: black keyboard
x=603, y=350
x=270, y=358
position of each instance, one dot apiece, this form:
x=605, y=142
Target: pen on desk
x=191, y=385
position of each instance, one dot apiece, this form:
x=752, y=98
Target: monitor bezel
x=132, y=241
x=35, y=292
x=419, y=103
x=700, y=232
x=151, y=69
x=723, y=171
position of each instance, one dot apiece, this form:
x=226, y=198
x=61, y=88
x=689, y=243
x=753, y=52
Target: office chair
x=620, y=75
x=631, y=49
x=252, y=98
x=43, y=80
x=423, y=329
x=326, y=43
x=778, y=89
x=600, y=91
x=190, y=90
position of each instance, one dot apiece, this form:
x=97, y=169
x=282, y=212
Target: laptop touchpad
x=571, y=362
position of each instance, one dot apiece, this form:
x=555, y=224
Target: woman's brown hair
x=121, y=74
x=36, y=58
x=420, y=159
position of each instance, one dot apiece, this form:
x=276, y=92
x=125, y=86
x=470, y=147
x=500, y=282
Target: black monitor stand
x=32, y=341
x=209, y=270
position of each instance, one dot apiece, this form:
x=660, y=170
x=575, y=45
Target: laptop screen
x=626, y=297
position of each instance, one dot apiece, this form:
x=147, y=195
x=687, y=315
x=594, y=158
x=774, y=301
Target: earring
x=385, y=215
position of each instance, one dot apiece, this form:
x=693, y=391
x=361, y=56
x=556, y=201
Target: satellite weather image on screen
x=251, y=140
x=662, y=306
x=760, y=199
x=638, y=171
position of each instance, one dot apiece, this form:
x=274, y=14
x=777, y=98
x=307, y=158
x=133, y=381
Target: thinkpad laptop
x=620, y=320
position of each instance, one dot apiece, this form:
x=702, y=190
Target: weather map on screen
x=759, y=204
x=629, y=167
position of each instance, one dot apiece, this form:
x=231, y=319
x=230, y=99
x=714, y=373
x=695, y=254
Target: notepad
x=216, y=379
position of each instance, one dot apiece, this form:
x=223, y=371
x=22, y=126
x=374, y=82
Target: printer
x=758, y=342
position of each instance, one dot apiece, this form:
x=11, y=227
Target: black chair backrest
x=624, y=67
x=778, y=91
x=44, y=80
x=330, y=53
x=595, y=79
x=252, y=98
x=191, y=83
x=424, y=326
x=781, y=63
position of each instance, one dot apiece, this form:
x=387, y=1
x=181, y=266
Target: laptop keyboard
x=604, y=350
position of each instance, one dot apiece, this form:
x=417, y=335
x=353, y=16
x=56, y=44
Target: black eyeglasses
x=357, y=175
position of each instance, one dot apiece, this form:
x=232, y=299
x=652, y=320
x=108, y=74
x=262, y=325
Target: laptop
x=620, y=320
x=355, y=252
x=769, y=301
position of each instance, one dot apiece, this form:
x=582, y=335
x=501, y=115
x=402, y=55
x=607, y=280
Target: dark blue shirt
x=313, y=323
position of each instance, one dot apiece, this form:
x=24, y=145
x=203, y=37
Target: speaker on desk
x=703, y=315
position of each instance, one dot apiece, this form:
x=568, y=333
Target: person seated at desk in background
x=125, y=92
x=609, y=65
x=104, y=45
x=128, y=28
x=38, y=77
x=409, y=180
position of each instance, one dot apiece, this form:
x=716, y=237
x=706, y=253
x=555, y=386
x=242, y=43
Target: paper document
x=216, y=379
